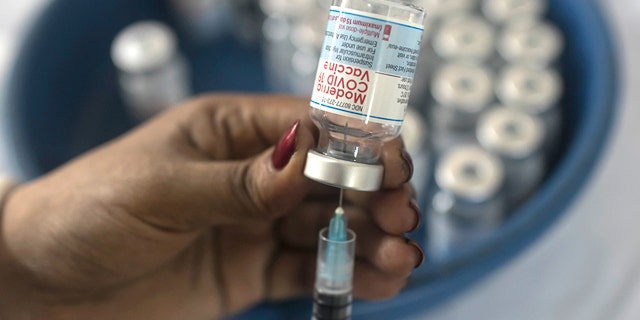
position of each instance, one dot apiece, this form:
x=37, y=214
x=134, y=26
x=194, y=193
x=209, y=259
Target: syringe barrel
x=331, y=307
x=334, y=277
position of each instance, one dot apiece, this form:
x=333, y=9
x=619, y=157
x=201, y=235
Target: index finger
x=248, y=124
x=256, y=122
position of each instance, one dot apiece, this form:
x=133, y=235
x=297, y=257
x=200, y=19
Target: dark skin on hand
x=193, y=216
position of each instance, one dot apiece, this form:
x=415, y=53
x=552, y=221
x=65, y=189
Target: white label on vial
x=366, y=66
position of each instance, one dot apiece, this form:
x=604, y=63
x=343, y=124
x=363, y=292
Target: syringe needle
x=338, y=224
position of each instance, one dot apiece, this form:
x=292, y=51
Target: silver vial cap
x=510, y=133
x=466, y=37
x=530, y=42
x=501, y=11
x=470, y=173
x=533, y=90
x=468, y=88
x=343, y=174
x=144, y=46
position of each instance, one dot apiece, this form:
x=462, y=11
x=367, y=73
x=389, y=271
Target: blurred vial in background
x=517, y=138
x=464, y=37
x=536, y=92
x=501, y=11
x=203, y=20
x=530, y=42
x=293, y=32
x=276, y=30
x=247, y=21
x=436, y=11
x=153, y=75
x=461, y=93
x=288, y=7
x=415, y=134
x=441, y=8
x=468, y=204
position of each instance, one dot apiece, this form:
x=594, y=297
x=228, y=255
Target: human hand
x=196, y=215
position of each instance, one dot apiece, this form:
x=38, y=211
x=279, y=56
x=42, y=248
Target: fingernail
x=414, y=206
x=408, y=162
x=420, y=252
x=285, y=147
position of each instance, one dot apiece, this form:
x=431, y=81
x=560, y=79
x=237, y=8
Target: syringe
x=338, y=223
x=334, y=274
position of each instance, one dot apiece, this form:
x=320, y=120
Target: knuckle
x=242, y=191
x=252, y=198
x=397, y=259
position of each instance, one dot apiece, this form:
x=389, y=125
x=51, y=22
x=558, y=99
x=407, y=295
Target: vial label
x=366, y=66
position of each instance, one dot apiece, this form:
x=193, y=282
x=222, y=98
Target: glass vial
x=503, y=11
x=415, y=134
x=362, y=87
x=153, y=75
x=517, y=138
x=537, y=92
x=465, y=37
x=461, y=93
x=530, y=42
x=443, y=8
x=468, y=204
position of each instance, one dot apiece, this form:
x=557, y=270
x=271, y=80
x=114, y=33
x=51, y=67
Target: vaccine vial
x=153, y=75
x=517, y=138
x=442, y=8
x=461, y=92
x=468, y=204
x=464, y=90
x=501, y=11
x=530, y=42
x=415, y=134
x=276, y=30
x=466, y=38
x=293, y=33
x=286, y=7
x=536, y=91
x=362, y=86
x=428, y=62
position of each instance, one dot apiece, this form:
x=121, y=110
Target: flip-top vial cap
x=144, y=46
x=470, y=173
x=510, y=132
x=343, y=174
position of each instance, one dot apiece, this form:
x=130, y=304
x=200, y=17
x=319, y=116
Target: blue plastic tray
x=63, y=100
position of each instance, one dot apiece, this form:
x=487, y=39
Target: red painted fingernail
x=285, y=147
x=414, y=206
x=420, y=252
x=408, y=162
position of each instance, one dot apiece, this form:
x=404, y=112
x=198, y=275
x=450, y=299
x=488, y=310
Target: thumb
x=263, y=187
